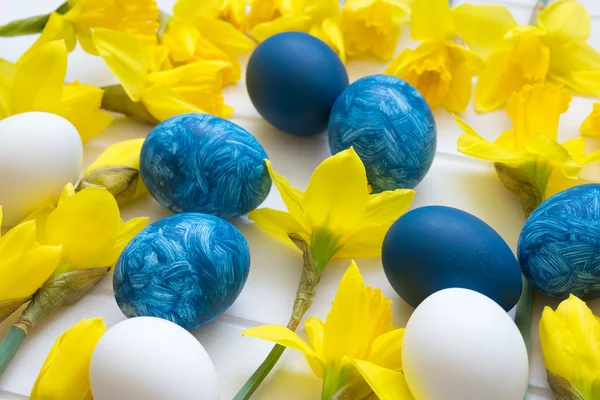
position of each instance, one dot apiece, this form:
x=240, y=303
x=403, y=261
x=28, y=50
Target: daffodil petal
x=566, y=18
x=554, y=153
x=315, y=329
x=127, y=232
x=591, y=125
x=86, y=225
x=163, y=103
x=125, y=153
x=190, y=9
x=337, y=193
x=575, y=147
x=280, y=335
x=65, y=373
x=18, y=240
x=127, y=57
x=583, y=82
x=181, y=38
x=330, y=32
x=489, y=93
x=363, y=243
x=68, y=191
x=431, y=20
x=386, y=383
x=387, y=350
x=471, y=144
x=39, y=78
x=7, y=72
x=57, y=28
x=22, y=275
x=41, y=218
x=278, y=223
x=483, y=27
x=224, y=35
x=382, y=209
x=297, y=23
x=80, y=105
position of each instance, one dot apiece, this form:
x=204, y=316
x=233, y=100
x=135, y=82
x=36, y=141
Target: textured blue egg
x=293, y=80
x=202, y=163
x=187, y=268
x=391, y=127
x=434, y=248
x=559, y=246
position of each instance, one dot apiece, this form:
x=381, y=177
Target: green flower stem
x=115, y=99
x=31, y=25
x=10, y=345
x=306, y=292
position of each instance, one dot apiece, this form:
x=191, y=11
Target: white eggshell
x=151, y=359
x=39, y=154
x=460, y=345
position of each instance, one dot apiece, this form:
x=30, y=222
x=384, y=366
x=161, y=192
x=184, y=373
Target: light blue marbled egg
x=187, y=268
x=390, y=126
x=559, y=246
x=202, y=163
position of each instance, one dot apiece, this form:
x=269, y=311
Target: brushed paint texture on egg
x=187, y=268
x=391, y=127
x=559, y=246
x=202, y=163
x=435, y=247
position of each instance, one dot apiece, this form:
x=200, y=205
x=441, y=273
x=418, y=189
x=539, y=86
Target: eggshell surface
x=39, y=154
x=151, y=359
x=460, y=345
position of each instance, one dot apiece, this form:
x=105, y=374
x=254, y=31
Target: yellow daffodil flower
x=88, y=226
x=320, y=18
x=231, y=11
x=440, y=69
x=150, y=94
x=65, y=373
x=24, y=265
x=36, y=83
x=553, y=51
x=264, y=11
x=373, y=26
x=591, y=125
x=570, y=339
x=118, y=171
x=336, y=216
x=357, y=338
x=528, y=157
x=138, y=17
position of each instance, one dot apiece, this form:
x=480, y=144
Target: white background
x=454, y=180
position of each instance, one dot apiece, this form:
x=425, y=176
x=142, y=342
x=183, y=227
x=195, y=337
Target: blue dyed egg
x=434, y=248
x=187, y=268
x=390, y=125
x=293, y=80
x=202, y=163
x=559, y=246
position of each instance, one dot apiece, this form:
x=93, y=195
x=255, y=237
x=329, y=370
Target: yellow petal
x=68, y=191
x=297, y=23
x=22, y=275
x=41, y=218
x=483, y=27
x=363, y=243
x=127, y=57
x=7, y=72
x=1, y=215
x=386, y=383
x=181, y=38
x=315, y=329
x=65, y=373
x=554, y=153
x=278, y=223
x=464, y=64
x=125, y=153
x=127, y=231
x=337, y=193
x=567, y=18
x=582, y=82
x=39, y=77
x=358, y=315
x=280, y=335
x=591, y=125
x=383, y=209
x=387, y=350
x=471, y=144
x=489, y=92
x=18, y=240
x=537, y=110
x=80, y=105
x=431, y=20
x=329, y=32
x=57, y=28
x=224, y=35
x=87, y=226
x=190, y=9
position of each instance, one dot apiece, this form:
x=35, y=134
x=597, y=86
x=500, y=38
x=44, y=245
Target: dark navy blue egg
x=202, y=163
x=187, y=268
x=391, y=127
x=293, y=80
x=559, y=246
x=434, y=248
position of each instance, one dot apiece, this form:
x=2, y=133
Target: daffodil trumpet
x=335, y=218
x=31, y=25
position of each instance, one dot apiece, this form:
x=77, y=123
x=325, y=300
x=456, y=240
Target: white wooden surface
x=454, y=180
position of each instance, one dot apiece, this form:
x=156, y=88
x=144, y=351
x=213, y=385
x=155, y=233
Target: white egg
x=461, y=345
x=39, y=154
x=151, y=359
